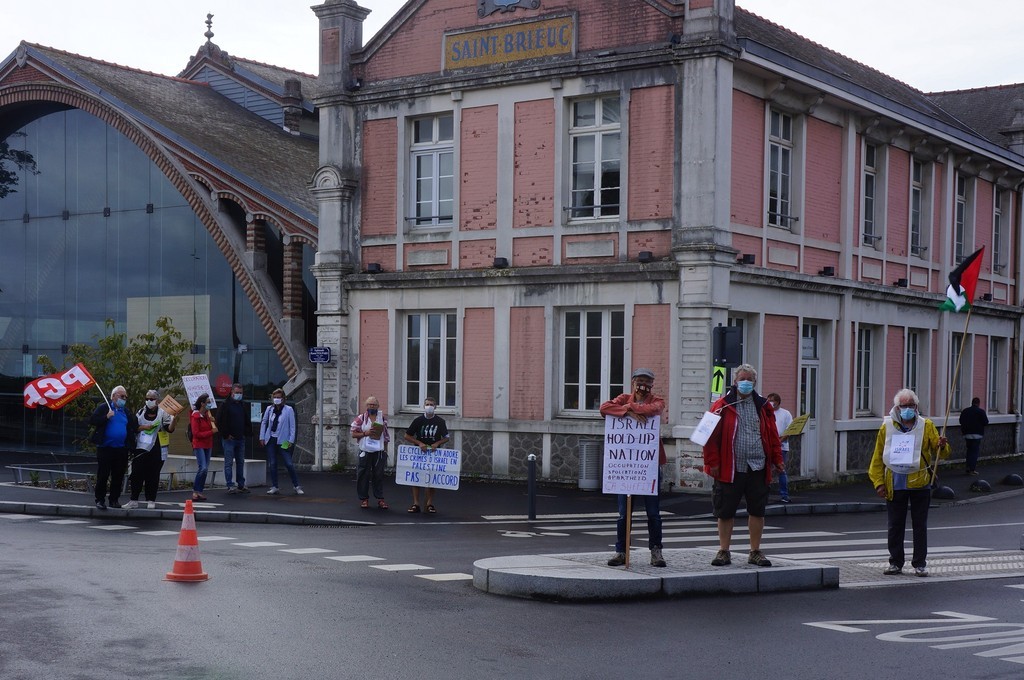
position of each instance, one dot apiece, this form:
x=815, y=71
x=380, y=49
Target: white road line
x=400, y=567
x=876, y=553
x=65, y=521
x=668, y=524
x=445, y=577
x=15, y=515
x=550, y=518
x=354, y=558
x=741, y=537
x=260, y=544
x=217, y=538
x=112, y=527
x=156, y=533
x=307, y=551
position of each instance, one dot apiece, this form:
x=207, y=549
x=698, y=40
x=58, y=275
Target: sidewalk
x=330, y=498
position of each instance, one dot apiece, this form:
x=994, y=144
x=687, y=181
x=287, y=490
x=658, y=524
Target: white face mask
x=277, y=401
x=236, y=396
x=151, y=403
x=428, y=410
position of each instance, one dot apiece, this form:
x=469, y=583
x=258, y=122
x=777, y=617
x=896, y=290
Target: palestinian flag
x=962, y=282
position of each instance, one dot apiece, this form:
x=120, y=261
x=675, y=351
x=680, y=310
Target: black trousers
x=918, y=501
x=111, y=464
x=370, y=469
x=146, y=468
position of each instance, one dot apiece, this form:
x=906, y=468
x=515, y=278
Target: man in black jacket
x=233, y=423
x=115, y=429
x=973, y=420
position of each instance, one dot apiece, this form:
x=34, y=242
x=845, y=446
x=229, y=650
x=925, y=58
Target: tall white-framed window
x=780, y=169
x=960, y=220
x=870, y=227
x=432, y=170
x=595, y=142
x=956, y=372
x=593, y=358
x=996, y=375
x=998, y=236
x=918, y=208
x=912, y=364
x=430, y=356
x=862, y=372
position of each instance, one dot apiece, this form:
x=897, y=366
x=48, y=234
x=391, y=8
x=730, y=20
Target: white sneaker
x=273, y=491
x=151, y=505
x=131, y=505
x=299, y=491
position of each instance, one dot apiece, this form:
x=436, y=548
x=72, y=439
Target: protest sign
x=437, y=469
x=797, y=426
x=196, y=385
x=631, y=456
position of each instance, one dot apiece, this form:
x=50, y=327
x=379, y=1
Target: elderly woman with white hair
x=901, y=471
x=114, y=429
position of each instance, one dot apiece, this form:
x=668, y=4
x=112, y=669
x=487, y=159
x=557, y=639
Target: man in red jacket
x=740, y=456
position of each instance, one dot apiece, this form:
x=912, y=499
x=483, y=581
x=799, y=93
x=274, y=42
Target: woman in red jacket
x=202, y=443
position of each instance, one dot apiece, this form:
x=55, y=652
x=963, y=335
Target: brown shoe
x=721, y=559
x=757, y=557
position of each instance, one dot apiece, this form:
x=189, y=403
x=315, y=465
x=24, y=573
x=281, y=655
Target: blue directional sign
x=319, y=355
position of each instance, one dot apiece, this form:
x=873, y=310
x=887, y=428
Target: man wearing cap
x=640, y=405
x=740, y=455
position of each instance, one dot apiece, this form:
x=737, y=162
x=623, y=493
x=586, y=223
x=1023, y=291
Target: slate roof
x=228, y=136
x=780, y=45
x=988, y=110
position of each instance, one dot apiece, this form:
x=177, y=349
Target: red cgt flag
x=54, y=391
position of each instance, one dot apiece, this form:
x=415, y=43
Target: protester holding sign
x=114, y=430
x=429, y=432
x=150, y=450
x=370, y=430
x=277, y=433
x=901, y=472
x=740, y=456
x=783, y=419
x=639, y=405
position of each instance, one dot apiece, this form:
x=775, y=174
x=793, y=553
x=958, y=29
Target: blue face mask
x=745, y=386
x=119, y=403
x=908, y=413
x=372, y=411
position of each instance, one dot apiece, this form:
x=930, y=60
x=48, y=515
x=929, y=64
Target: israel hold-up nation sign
x=631, y=456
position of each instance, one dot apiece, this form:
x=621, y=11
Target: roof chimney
x=292, y=105
x=341, y=34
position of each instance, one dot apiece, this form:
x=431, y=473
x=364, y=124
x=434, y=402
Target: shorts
x=751, y=485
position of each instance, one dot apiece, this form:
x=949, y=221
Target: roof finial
x=209, y=28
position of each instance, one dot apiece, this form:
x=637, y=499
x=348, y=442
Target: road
x=85, y=599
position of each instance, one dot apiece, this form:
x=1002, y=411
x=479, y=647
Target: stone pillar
x=292, y=105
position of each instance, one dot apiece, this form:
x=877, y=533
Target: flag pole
x=952, y=387
x=105, y=400
x=629, y=521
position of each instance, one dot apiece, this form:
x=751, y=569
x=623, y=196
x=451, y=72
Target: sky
x=933, y=45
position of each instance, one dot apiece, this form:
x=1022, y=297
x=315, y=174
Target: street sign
x=319, y=355
x=718, y=379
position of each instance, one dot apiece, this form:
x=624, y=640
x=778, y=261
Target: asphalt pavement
x=330, y=498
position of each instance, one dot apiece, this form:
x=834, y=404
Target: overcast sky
x=932, y=45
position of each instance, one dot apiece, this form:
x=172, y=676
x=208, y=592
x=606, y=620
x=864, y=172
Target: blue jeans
x=652, y=505
x=203, y=460
x=273, y=451
x=973, y=450
x=783, y=477
x=234, y=451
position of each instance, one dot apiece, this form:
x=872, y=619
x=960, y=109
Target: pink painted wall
x=526, y=369
x=533, y=251
x=978, y=386
x=659, y=243
x=478, y=168
x=747, y=160
x=478, y=352
x=749, y=244
x=651, y=148
x=781, y=354
x=384, y=255
x=824, y=176
x=590, y=260
x=477, y=254
x=379, y=182
x=424, y=247
x=817, y=258
x=651, y=347
x=374, y=334
x=983, y=222
x=777, y=247
x=534, y=171
x=895, y=358
x=897, y=223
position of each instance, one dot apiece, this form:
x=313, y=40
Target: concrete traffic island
x=585, y=577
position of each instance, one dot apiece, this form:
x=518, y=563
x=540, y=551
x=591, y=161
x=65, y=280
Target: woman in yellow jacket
x=901, y=472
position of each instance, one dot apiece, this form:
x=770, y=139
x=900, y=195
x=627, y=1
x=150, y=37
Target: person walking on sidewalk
x=901, y=472
x=114, y=430
x=640, y=404
x=277, y=433
x=740, y=456
x=233, y=423
x=783, y=419
x=150, y=452
x=370, y=430
x=202, y=443
x=429, y=432
x=973, y=420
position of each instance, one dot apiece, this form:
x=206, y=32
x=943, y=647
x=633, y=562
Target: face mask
x=119, y=403
x=205, y=406
x=372, y=411
x=745, y=386
x=277, y=401
x=428, y=410
x=151, y=403
x=908, y=413
x=236, y=397
x=643, y=388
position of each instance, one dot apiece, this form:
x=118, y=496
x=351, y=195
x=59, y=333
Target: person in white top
x=783, y=419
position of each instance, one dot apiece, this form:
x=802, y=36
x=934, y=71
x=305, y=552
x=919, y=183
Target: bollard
x=531, y=486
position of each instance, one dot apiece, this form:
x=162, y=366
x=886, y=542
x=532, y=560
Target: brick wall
x=526, y=365
x=374, y=372
x=477, y=254
x=291, y=296
x=652, y=143
x=379, y=180
x=478, y=165
x=894, y=360
x=651, y=326
x=978, y=385
x=478, y=364
x=534, y=169
x=533, y=251
x=897, y=220
x=747, y=160
x=824, y=178
x=779, y=375
x=659, y=243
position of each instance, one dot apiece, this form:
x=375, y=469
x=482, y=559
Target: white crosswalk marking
x=354, y=558
x=65, y=521
x=445, y=577
x=260, y=544
x=14, y=515
x=400, y=567
x=217, y=538
x=112, y=527
x=156, y=533
x=307, y=551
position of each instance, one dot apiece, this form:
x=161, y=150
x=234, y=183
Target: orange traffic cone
x=187, y=565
